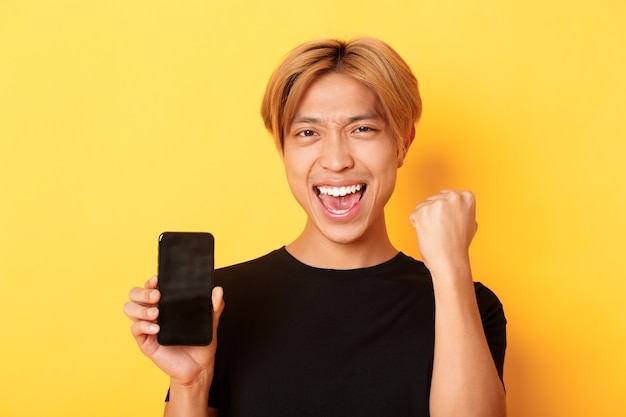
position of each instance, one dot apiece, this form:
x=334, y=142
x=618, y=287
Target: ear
x=402, y=152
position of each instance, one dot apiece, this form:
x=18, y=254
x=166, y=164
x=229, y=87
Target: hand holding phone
x=185, y=270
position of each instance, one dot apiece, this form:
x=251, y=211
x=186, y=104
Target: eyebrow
x=357, y=118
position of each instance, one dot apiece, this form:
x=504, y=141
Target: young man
x=339, y=322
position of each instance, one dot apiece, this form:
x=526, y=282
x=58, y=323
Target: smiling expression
x=341, y=160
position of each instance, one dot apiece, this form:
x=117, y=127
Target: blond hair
x=368, y=60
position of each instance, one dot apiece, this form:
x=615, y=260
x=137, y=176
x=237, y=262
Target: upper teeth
x=340, y=191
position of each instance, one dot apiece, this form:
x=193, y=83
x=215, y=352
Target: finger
x=424, y=206
x=137, y=312
x=144, y=328
x=441, y=195
x=152, y=282
x=145, y=296
x=414, y=217
x=428, y=202
x=217, y=297
x=467, y=193
x=433, y=197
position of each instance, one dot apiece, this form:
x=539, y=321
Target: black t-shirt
x=301, y=341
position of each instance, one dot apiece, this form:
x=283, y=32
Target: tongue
x=344, y=203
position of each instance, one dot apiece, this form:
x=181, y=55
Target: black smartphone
x=186, y=265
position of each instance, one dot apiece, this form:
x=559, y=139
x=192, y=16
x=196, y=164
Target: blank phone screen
x=186, y=263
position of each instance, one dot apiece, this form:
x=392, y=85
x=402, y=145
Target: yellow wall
x=120, y=119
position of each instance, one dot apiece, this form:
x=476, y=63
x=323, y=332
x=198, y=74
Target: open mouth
x=340, y=200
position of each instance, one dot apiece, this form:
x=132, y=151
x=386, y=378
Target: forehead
x=337, y=95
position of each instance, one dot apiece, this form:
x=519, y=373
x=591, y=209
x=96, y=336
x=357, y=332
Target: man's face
x=340, y=160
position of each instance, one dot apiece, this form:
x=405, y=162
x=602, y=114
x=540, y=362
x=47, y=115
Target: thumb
x=217, y=297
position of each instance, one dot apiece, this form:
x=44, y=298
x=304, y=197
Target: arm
x=190, y=368
x=465, y=381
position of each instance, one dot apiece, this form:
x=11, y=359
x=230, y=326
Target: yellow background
x=120, y=119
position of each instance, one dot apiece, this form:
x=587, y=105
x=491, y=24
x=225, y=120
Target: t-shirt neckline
x=383, y=267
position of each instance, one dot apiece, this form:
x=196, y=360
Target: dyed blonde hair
x=368, y=60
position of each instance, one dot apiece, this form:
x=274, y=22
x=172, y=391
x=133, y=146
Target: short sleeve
x=494, y=324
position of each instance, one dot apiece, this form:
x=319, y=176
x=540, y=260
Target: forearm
x=188, y=400
x=465, y=381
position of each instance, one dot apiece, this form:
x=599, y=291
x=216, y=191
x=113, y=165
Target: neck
x=316, y=250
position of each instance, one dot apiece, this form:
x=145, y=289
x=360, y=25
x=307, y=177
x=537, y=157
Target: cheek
x=387, y=173
x=380, y=161
x=296, y=173
x=298, y=162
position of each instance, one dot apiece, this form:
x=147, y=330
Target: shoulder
x=270, y=258
x=248, y=272
x=404, y=265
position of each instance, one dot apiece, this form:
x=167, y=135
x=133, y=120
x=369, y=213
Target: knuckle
x=468, y=194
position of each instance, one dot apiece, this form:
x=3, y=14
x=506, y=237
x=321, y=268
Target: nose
x=336, y=154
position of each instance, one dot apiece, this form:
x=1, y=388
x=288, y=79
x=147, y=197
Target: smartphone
x=185, y=269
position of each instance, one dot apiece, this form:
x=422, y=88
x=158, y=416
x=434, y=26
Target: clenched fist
x=445, y=225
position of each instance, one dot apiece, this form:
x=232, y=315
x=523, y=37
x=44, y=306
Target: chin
x=343, y=237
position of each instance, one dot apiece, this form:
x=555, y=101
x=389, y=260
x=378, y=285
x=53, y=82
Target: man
x=339, y=322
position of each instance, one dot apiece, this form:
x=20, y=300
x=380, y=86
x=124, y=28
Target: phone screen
x=186, y=264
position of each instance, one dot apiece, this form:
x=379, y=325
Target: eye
x=306, y=132
x=363, y=129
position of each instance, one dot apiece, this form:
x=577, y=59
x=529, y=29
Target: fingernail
x=154, y=294
x=153, y=328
